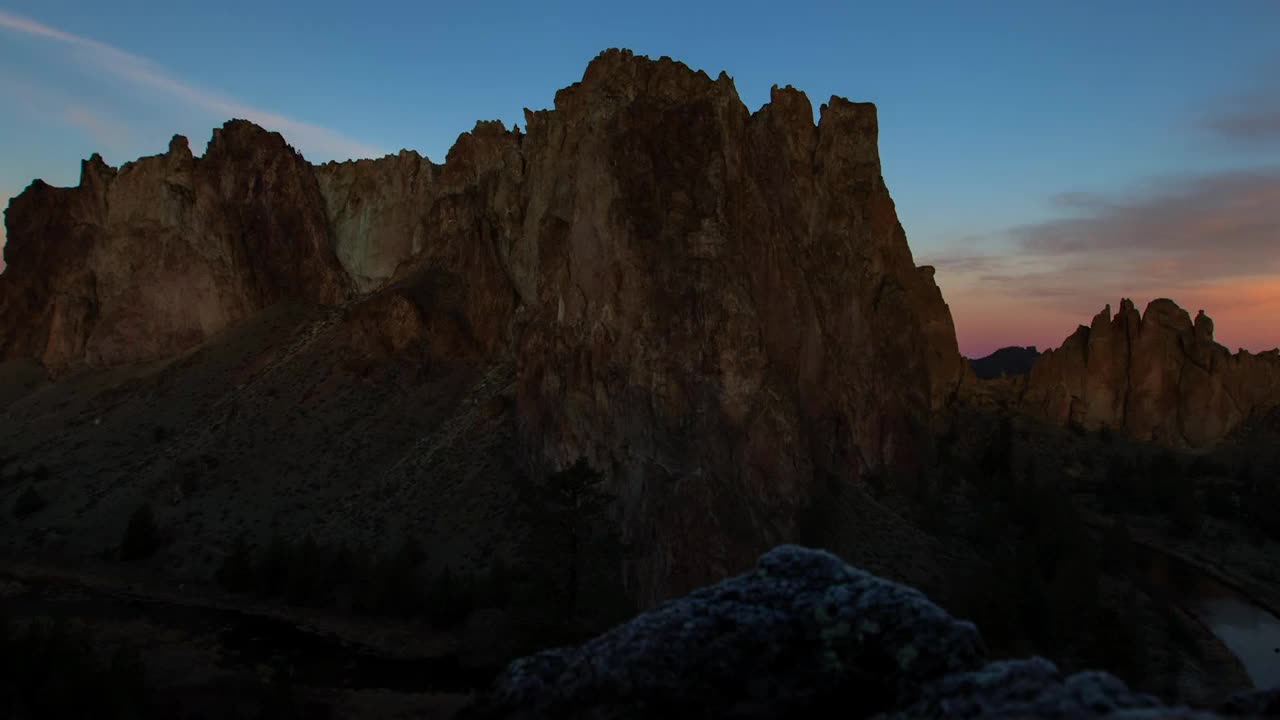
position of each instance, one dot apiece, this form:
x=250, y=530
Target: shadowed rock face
x=805, y=635
x=717, y=308
x=1157, y=376
x=722, y=307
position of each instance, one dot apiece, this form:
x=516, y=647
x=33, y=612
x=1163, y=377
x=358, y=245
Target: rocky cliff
x=715, y=307
x=151, y=259
x=1157, y=376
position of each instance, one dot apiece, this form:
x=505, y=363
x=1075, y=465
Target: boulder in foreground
x=805, y=635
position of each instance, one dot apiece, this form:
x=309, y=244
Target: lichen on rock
x=805, y=635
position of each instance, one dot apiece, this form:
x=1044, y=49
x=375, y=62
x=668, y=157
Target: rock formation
x=1158, y=376
x=377, y=210
x=149, y=260
x=805, y=635
x=715, y=307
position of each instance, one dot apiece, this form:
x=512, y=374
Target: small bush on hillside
x=28, y=503
x=141, y=536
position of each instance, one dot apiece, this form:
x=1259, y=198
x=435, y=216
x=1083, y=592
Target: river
x=1248, y=630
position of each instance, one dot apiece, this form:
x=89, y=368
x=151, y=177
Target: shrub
x=28, y=503
x=141, y=536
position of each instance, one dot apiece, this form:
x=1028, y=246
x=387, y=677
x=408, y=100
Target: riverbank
x=1237, y=612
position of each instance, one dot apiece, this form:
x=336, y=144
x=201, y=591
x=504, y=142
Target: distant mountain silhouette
x=1011, y=360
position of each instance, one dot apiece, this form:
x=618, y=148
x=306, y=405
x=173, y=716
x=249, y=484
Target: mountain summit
x=716, y=308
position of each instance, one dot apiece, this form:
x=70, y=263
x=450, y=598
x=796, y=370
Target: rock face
x=377, y=210
x=805, y=635
x=722, y=307
x=717, y=308
x=151, y=259
x=1158, y=376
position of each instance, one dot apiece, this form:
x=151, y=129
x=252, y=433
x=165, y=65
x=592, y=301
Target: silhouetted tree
x=1117, y=549
x=28, y=503
x=573, y=548
x=236, y=571
x=141, y=535
x=996, y=466
x=1184, y=514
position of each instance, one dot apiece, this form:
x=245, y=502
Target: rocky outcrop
x=717, y=308
x=804, y=635
x=151, y=259
x=722, y=309
x=1157, y=376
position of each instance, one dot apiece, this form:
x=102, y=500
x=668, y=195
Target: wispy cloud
x=1251, y=117
x=144, y=73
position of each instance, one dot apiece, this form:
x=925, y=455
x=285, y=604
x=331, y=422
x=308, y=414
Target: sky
x=1047, y=158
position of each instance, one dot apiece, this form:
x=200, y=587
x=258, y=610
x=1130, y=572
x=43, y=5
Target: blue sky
x=998, y=119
